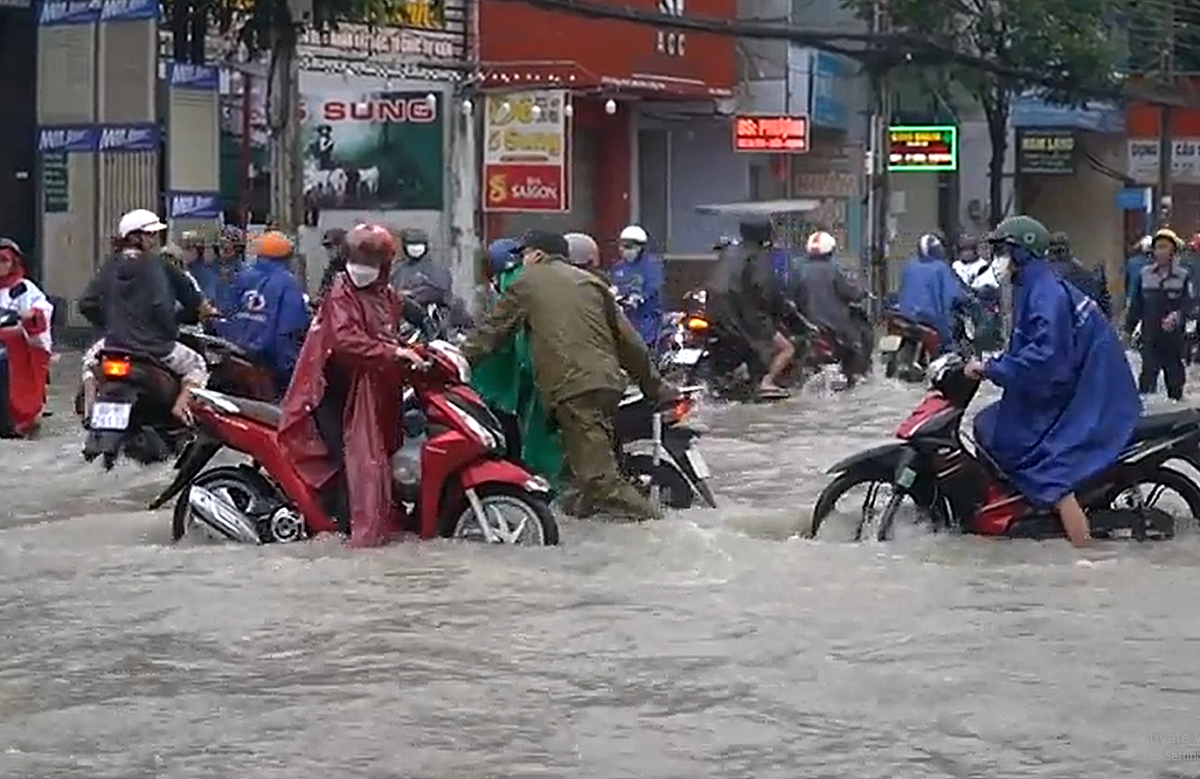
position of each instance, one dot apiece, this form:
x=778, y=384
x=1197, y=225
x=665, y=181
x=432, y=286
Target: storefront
x=1142, y=159
x=604, y=73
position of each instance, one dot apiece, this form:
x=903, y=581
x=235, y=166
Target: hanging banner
x=53, y=140
x=63, y=12
x=184, y=75
x=526, y=157
x=128, y=10
x=194, y=205
x=1045, y=150
x=373, y=151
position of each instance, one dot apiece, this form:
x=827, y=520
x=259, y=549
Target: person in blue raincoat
x=1069, y=404
x=638, y=277
x=230, y=261
x=271, y=319
x=930, y=290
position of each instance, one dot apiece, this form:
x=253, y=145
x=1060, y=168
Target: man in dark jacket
x=1092, y=283
x=334, y=243
x=1162, y=299
x=582, y=346
x=826, y=293
x=745, y=304
x=133, y=300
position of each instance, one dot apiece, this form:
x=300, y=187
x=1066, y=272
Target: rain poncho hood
x=929, y=291
x=27, y=347
x=504, y=379
x=642, y=278
x=1070, y=404
x=354, y=335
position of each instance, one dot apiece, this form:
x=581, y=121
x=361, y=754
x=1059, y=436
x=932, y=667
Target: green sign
x=930, y=148
x=54, y=183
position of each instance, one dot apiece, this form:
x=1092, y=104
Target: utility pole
x=283, y=112
x=878, y=153
x=1166, y=136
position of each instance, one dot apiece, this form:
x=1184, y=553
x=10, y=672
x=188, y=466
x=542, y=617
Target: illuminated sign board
x=782, y=134
x=926, y=148
x=1045, y=151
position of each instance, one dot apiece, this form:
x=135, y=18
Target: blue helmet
x=502, y=255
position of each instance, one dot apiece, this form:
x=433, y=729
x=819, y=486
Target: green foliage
x=259, y=23
x=1063, y=49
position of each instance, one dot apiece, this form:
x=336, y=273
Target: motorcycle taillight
x=115, y=367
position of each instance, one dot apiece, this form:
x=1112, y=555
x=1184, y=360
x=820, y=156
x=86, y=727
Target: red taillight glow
x=114, y=368
x=680, y=409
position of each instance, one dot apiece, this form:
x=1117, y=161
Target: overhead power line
x=879, y=49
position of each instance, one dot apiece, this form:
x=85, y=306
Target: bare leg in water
x=1075, y=521
x=784, y=352
x=180, y=410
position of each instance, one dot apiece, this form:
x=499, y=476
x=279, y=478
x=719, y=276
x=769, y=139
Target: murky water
x=712, y=644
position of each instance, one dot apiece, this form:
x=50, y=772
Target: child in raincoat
x=505, y=381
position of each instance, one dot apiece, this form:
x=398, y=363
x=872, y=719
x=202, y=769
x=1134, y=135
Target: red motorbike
x=458, y=484
x=969, y=492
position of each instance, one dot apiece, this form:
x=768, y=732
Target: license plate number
x=889, y=343
x=906, y=478
x=687, y=356
x=111, y=416
x=699, y=467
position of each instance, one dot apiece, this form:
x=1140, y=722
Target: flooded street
x=712, y=644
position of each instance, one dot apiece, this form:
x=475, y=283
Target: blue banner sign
x=144, y=136
x=184, y=75
x=54, y=13
x=194, y=205
x=129, y=137
x=83, y=138
x=128, y=10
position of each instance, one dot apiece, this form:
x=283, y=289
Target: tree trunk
x=995, y=110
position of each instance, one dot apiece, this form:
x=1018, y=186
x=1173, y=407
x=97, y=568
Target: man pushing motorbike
x=581, y=347
x=745, y=305
x=341, y=413
x=271, y=319
x=1069, y=405
x=1163, y=298
x=930, y=291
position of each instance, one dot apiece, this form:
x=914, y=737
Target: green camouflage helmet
x=1023, y=231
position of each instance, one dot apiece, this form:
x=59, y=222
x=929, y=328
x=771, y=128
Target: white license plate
x=699, y=467
x=111, y=416
x=687, y=356
x=890, y=343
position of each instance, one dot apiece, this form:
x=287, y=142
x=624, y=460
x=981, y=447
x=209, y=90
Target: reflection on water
x=711, y=644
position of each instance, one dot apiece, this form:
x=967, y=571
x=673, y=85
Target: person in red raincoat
x=28, y=346
x=341, y=414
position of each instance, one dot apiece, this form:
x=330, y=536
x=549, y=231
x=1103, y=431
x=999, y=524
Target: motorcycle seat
x=265, y=413
x=1154, y=425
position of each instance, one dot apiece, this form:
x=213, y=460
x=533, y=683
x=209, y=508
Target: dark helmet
x=755, y=231
x=371, y=245
x=502, y=254
x=1022, y=232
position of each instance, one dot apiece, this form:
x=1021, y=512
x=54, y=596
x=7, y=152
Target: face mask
x=629, y=254
x=361, y=275
x=416, y=250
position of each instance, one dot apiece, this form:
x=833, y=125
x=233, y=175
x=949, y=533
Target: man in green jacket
x=504, y=379
x=581, y=346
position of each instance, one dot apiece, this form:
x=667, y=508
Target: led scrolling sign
x=771, y=133
x=931, y=148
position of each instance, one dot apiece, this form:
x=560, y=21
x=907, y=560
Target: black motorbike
x=655, y=449
x=131, y=414
x=910, y=346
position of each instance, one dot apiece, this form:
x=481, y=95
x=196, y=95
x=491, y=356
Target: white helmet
x=1146, y=244
x=821, y=243
x=140, y=220
x=634, y=234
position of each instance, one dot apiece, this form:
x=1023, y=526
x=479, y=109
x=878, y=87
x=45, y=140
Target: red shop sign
x=771, y=133
x=525, y=187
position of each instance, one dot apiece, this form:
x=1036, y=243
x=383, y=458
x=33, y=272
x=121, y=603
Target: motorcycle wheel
x=675, y=492
x=874, y=476
x=241, y=486
x=1163, y=478
x=536, y=526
